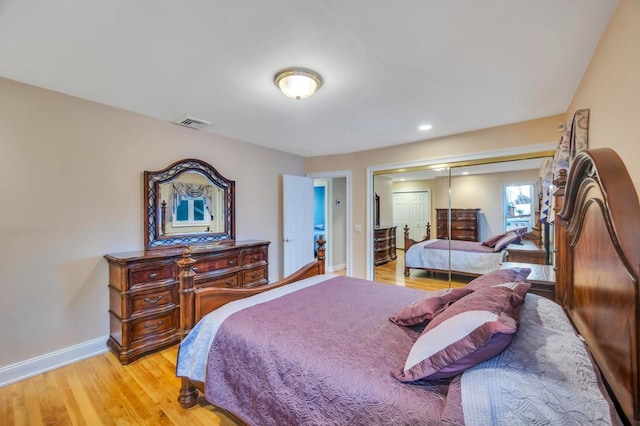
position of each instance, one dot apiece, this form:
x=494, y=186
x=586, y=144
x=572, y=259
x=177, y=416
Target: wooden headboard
x=597, y=240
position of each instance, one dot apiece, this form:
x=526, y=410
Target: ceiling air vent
x=192, y=122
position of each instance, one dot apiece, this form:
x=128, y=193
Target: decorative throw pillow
x=510, y=238
x=474, y=329
x=427, y=307
x=499, y=276
x=520, y=288
x=492, y=240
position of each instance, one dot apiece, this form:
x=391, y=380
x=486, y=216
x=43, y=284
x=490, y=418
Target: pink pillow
x=492, y=240
x=511, y=237
x=474, y=329
x=427, y=307
x=499, y=276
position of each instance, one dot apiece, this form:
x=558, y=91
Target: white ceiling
x=388, y=66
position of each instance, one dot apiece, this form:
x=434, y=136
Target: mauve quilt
x=323, y=355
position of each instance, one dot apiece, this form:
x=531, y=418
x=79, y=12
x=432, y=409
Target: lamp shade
x=298, y=83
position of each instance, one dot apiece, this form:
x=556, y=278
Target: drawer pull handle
x=230, y=282
x=153, y=276
x=153, y=327
x=256, y=257
x=154, y=300
x=232, y=262
x=254, y=274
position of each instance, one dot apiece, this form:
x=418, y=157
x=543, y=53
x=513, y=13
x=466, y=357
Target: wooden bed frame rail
x=198, y=300
x=408, y=242
x=597, y=258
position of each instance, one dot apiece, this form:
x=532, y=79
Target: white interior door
x=297, y=216
x=410, y=208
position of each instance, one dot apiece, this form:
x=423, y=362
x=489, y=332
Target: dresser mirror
x=188, y=203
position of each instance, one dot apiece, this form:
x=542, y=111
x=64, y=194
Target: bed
x=598, y=256
x=461, y=257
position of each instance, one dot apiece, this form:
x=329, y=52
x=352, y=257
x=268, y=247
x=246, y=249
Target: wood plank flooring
x=101, y=391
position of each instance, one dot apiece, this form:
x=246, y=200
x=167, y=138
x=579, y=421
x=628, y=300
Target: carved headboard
x=597, y=239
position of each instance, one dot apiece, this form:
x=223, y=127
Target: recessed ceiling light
x=425, y=127
x=465, y=173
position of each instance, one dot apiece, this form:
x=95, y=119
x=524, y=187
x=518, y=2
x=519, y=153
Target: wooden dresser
x=143, y=290
x=464, y=224
x=384, y=244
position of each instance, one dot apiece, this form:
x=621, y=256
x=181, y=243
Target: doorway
x=336, y=188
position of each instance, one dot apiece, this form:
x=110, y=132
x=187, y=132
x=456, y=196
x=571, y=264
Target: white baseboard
x=32, y=367
x=333, y=268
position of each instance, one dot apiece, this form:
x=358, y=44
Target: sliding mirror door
x=469, y=202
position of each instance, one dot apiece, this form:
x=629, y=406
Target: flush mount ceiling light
x=298, y=83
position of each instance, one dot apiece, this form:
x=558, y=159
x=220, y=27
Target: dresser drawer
x=254, y=256
x=456, y=224
x=151, y=273
x=227, y=281
x=143, y=302
x=217, y=264
x=151, y=327
x=465, y=215
x=384, y=244
x=255, y=277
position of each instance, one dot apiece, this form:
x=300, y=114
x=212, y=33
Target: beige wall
x=71, y=188
x=484, y=191
x=610, y=88
x=383, y=186
x=339, y=217
x=527, y=133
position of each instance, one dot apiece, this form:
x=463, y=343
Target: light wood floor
x=100, y=391
x=393, y=273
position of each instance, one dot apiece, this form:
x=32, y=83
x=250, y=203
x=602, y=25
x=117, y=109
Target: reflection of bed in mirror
x=598, y=249
x=439, y=256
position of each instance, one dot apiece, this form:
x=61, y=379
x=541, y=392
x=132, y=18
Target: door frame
x=348, y=209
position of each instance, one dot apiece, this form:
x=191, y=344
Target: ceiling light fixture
x=298, y=83
x=425, y=127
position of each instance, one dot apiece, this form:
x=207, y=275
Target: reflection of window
x=191, y=213
x=191, y=204
x=518, y=206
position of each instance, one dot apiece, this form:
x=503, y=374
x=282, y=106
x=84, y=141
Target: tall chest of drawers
x=384, y=240
x=144, y=303
x=464, y=224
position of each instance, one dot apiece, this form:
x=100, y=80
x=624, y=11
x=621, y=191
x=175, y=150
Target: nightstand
x=542, y=278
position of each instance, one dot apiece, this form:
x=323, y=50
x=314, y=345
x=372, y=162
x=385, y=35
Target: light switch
x=357, y=228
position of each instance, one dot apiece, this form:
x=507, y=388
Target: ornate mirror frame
x=153, y=210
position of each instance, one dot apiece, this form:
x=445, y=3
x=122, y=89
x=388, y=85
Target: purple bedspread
x=459, y=245
x=323, y=355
